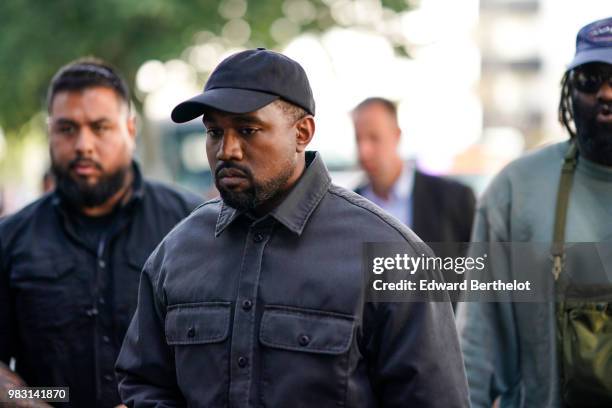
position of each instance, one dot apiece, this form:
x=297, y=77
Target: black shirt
x=93, y=230
x=66, y=299
x=271, y=312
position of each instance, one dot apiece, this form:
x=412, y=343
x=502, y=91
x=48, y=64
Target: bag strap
x=565, y=186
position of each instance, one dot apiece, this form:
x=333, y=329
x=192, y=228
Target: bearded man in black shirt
x=70, y=262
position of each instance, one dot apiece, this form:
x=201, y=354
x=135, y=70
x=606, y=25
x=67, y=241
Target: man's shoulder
x=19, y=226
x=357, y=209
x=187, y=231
x=526, y=177
x=443, y=184
x=204, y=215
x=40, y=206
x=531, y=167
x=175, y=198
x=543, y=158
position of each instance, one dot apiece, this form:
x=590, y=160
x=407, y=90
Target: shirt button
x=304, y=340
x=101, y=263
x=106, y=339
x=101, y=301
x=258, y=237
x=242, y=362
x=191, y=332
x=247, y=305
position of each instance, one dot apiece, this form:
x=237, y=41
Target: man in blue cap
x=555, y=353
x=257, y=299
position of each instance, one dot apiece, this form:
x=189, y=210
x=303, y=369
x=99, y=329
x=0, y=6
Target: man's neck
x=121, y=196
x=383, y=185
x=593, y=148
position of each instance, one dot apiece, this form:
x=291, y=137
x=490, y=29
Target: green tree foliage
x=39, y=36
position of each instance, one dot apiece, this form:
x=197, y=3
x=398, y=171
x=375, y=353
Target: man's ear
x=398, y=134
x=305, y=131
x=131, y=127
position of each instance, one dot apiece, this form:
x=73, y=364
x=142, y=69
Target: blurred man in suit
x=437, y=209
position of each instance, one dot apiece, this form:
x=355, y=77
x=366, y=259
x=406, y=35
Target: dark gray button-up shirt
x=240, y=312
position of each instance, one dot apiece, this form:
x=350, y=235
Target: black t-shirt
x=92, y=229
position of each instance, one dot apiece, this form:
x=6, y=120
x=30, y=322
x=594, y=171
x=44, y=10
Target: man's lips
x=231, y=177
x=84, y=168
x=605, y=114
x=230, y=172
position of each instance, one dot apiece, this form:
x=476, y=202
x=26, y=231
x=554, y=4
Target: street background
x=476, y=82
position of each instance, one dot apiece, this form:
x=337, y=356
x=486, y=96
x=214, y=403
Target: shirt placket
x=243, y=333
x=102, y=313
x=103, y=329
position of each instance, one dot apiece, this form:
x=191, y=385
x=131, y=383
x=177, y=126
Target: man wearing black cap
x=556, y=353
x=257, y=298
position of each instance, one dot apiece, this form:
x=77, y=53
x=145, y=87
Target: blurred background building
x=476, y=82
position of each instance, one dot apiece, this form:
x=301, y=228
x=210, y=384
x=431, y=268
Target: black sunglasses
x=589, y=79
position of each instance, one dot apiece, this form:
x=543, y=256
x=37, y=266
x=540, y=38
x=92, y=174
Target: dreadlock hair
x=566, y=109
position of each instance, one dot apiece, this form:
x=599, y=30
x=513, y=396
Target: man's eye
x=214, y=132
x=248, y=131
x=100, y=128
x=66, y=129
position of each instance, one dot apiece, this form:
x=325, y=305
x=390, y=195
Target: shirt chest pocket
x=198, y=334
x=305, y=356
x=197, y=323
x=44, y=292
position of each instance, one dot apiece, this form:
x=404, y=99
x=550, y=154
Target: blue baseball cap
x=593, y=43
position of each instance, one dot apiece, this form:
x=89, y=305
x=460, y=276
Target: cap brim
x=597, y=55
x=231, y=100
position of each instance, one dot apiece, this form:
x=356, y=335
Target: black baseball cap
x=247, y=81
x=593, y=43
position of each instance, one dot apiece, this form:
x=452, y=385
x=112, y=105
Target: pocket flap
x=197, y=323
x=43, y=268
x=306, y=330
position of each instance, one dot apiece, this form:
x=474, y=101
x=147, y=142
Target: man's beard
x=258, y=193
x=80, y=194
x=594, y=138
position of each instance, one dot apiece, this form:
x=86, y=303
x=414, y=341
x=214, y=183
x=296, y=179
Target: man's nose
x=85, y=141
x=230, y=148
x=364, y=150
x=604, y=94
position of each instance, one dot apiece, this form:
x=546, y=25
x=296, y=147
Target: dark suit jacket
x=442, y=214
x=442, y=209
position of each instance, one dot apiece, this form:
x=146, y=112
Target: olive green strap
x=558, y=251
x=565, y=186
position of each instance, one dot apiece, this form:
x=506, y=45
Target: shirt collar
x=227, y=215
x=402, y=189
x=137, y=184
x=295, y=210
